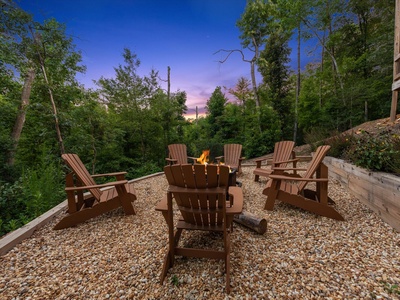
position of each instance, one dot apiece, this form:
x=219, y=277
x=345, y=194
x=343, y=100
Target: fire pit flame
x=203, y=159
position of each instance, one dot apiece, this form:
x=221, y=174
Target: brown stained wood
x=282, y=156
x=232, y=156
x=116, y=194
x=178, y=155
x=200, y=193
x=251, y=221
x=292, y=190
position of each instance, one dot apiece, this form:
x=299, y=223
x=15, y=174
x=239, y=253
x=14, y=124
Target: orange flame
x=203, y=159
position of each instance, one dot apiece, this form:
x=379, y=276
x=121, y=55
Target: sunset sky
x=182, y=34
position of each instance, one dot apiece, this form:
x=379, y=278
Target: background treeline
x=127, y=121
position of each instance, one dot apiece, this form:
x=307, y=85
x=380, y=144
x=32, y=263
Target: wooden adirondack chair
x=232, y=156
x=283, y=154
x=292, y=190
x=83, y=207
x=178, y=155
x=201, y=198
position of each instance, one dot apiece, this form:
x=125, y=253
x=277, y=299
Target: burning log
x=251, y=221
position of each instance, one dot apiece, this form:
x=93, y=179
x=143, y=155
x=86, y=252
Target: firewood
x=251, y=221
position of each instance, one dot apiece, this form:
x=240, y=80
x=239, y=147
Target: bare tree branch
x=229, y=54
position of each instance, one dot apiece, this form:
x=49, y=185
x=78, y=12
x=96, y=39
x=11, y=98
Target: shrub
x=315, y=137
x=377, y=153
x=340, y=144
x=35, y=192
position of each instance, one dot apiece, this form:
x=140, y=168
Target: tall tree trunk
x=327, y=50
x=169, y=84
x=297, y=84
x=37, y=40
x=321, y=70
x=55, y=113
x=20, y=121
x=253, y=80
x=254, y=83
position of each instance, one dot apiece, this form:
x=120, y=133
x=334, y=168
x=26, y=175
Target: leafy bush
x=340, y=144
x=315, y=137
x=379, y=152
x=36, y=191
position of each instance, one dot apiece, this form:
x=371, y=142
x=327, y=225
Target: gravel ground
x=301, y=256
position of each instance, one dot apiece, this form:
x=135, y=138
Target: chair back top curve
x=77, y=166
x=178, y=152
x=232, y=154
x=314, y=164
x=283, y=151
x=200, y=192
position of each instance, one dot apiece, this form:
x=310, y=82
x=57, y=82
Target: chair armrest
x=192, y=158
x=97, y=186
x=171, y=159
x=237, y=206
x=218, y=159
x=261, y=159
x=213, y=191
x=282, y=177
x=109, y=174
x=162, y=205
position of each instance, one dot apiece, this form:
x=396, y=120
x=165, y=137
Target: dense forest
x=127, y=121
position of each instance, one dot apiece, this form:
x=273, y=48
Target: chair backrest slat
x=232, y=153
x=283, y=151
x=314, y=164
x=77, y=166
x=178, y=152
x=198, y=204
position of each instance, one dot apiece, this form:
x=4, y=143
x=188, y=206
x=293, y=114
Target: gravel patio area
x=301, y=256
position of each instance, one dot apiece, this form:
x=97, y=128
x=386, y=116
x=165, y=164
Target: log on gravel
x=251, y=221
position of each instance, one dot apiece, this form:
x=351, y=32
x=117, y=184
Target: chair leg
x=272, y=194
x=169, y=258
x=228, y=274
x=166, y=266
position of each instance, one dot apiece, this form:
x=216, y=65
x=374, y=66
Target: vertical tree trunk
x=53, y=104
x=297, y=84
x=20, y=121
x=169, y=83
x=37, y=40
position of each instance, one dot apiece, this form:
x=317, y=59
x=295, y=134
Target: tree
x=273, y=67
x=15, y=54
x=215, y=109
x=29, y=47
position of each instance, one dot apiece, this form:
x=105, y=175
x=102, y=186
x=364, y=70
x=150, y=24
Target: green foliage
x=315, y=137
x=175, y=280
x=143, y=170
x=391, y=288
x=377, y=153
x=340, y=144
x=35, y=192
